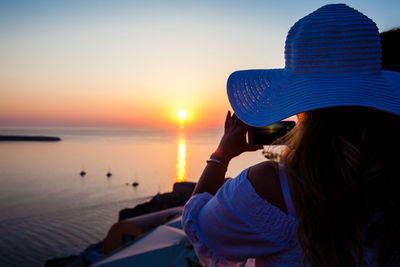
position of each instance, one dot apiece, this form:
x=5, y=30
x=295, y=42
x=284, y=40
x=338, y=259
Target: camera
x=269, y=134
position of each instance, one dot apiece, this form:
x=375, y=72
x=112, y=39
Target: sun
x=182, y=114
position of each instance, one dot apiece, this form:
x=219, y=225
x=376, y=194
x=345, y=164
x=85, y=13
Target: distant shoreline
x=37, y=138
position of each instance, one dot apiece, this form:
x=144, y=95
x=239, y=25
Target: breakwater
x=28, y=138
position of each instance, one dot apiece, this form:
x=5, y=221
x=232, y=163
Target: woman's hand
x=233, y=142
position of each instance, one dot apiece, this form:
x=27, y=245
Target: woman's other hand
x=233, y=142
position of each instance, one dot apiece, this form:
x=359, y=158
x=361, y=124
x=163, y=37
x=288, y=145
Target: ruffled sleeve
x=189, y=222
x=236, y=224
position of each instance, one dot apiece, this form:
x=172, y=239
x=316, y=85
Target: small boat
x=109, y=174
x=135, y=184
x=82, y=173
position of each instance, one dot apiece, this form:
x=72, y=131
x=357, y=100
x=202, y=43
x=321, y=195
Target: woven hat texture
x=332, y=58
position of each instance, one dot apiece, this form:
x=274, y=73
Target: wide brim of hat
x=263, y=97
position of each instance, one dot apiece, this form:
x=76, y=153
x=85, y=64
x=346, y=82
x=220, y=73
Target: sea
x=48, y=210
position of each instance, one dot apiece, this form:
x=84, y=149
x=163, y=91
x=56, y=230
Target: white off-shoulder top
x=237, y=227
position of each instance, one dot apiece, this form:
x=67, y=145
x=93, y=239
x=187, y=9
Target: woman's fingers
x=227, y=120
x=235, y=119
x=235, y=125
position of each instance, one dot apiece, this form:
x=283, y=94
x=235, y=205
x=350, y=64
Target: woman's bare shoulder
x=264, y=177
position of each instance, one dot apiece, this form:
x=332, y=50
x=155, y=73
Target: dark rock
x=71, y=261
x=29, y=138
x=178, y=197
x=184, y=188
x=91, y=254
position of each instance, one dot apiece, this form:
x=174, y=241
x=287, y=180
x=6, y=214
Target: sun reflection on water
x=181, y=161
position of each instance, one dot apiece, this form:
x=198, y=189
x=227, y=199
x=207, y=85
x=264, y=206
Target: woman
x=335, y=200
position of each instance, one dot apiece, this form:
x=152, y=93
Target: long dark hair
x=343, y=170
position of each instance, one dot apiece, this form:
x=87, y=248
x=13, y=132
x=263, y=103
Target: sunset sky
x=138, y=63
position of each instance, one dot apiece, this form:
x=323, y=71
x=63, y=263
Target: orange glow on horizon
x=106, y=108
x=159, y=119
x=114, y=117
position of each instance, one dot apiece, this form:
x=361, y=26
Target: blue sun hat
x=333, y=58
